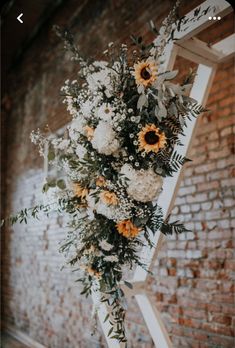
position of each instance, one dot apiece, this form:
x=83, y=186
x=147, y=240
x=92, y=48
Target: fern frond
x=173, y=227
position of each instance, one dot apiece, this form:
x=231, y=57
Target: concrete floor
x=8, y=341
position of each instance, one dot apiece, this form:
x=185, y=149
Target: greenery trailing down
x=127, y=117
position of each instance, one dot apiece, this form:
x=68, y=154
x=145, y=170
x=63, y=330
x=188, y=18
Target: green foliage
x=173, y=228
x=162, y=104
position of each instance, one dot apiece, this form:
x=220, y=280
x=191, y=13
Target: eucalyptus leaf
x=45, y=188
x=129, y=285
x=162, y=112
x=141, y=101
x=61, y=184
x=51, y=155
x=169, y=75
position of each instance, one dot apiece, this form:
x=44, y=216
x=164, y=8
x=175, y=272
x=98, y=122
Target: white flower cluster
x=112, y=212
x=104, y=139
x=142, y=185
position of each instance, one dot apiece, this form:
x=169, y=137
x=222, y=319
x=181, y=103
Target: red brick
x=191, y=283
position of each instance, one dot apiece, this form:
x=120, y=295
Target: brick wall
x=192, y=279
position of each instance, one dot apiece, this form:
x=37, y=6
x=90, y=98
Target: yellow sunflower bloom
x=109, y=198
x=127, y=229
x=151, y=139
x=145, y=73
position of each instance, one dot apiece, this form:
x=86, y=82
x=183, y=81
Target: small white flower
x=76, y=128
x=63, y=144
x=111, y=258
x=105, y=245
x=81, y=151
x=105, y=112
x=86, y=108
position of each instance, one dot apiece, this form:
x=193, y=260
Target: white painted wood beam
x=217, y=8
x=200, y=92
x=137, y=288
x=226, y=47
x=154, y=322
x=200, y=52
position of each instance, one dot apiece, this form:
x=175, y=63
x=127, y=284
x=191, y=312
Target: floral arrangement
x=126, y=118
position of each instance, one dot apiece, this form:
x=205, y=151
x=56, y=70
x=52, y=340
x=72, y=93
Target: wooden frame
x=207, y=57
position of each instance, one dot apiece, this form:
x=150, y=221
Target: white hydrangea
x=104, y=139
x=143, y=185
x=105, y=245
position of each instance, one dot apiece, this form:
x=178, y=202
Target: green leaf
x=110, y=331
x=61, y=184
x=52, y=183
x=51, y=155
x=173, y=227
x=106, y=318
x=129, y=285
x=45, y=188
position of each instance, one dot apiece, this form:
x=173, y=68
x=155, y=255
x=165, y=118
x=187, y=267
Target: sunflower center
x=151, y=138
x=145, y=74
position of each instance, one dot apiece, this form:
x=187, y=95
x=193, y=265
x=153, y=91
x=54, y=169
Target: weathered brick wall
x=200, y=264
x=192, y=281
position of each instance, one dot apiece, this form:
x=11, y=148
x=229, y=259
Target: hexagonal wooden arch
x=207, y=58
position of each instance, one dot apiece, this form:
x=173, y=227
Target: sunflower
x=151, y=138
x=145, y=73
x=127, y=229
x=89, y=132
x=80, y=191
x=109, y=198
